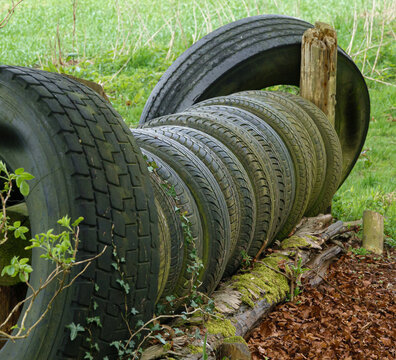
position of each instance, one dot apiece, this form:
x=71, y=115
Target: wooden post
x=319, y=67
x=373, y=231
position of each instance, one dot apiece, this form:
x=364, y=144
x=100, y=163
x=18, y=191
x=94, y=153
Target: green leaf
x=23, y=276
x=74, y=330
x=140, y=323
x=2, y=167
x=88, y=356
x=156, y=327
x=19, y=171
x=17, y=224
x=24, y=188
x=23, y=261
x=134, y=311
x=78, y=221
x=160, y=338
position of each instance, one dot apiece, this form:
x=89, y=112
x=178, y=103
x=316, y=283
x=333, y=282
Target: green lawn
x=127, y=45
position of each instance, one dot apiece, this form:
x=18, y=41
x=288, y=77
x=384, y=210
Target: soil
x=350, y=315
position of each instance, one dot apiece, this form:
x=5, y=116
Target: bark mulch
x=353, y=318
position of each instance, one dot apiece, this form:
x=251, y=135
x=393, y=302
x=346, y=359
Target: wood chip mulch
x=354, y=318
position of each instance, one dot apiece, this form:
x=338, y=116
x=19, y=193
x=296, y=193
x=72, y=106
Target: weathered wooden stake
x=319, y=67
x=373, y=231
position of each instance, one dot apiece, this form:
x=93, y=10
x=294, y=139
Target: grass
x=127, y=45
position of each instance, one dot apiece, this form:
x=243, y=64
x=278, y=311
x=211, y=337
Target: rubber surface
x=218, y=170
x=285, y=104
x=295, y=139
x=280, y=160
x=244, y=189
x=250, y=154
x=85, y=163
x=251, y=54
x=178, y=190
x=170, y=232
x=333, y=154
x=208, y=197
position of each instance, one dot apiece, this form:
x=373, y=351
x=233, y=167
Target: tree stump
x=319, y=68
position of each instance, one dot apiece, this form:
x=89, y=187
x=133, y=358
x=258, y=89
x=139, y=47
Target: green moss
x=195, y=349
x=262, y=282
x=167, y=346
x=234, y=339
x=221, y=326
x=294, y=242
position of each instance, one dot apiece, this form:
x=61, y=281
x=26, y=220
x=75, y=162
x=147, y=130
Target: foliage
x=59, y=249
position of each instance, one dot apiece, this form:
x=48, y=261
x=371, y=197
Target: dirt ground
x=351, y=315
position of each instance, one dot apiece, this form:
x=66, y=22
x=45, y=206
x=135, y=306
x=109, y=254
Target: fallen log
x=243, y=300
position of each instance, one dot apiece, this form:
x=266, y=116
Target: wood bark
x=373, y=231
x=316, y=253
x=319, y=68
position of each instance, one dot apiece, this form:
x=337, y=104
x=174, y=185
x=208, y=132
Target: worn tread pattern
x=208, y=197
x=282, y=103
x=218, y=170
x=244, y=190
x=276, y=154
x=188, y=207
x=299, y=150
x=333, y=153
x=171, y=235
x=103, y=180
x=248, y=151
x=213, y=56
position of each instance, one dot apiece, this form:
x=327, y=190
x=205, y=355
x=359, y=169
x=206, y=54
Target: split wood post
x=373, y=231
x=319, y=68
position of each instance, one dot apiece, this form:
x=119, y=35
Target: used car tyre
x=86, y=163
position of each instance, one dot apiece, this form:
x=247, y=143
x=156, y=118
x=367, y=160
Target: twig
x=10, y=12
x=379, y=81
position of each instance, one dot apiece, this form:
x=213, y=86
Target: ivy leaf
x=74, y=330
x=88, y=356
x=160, y=338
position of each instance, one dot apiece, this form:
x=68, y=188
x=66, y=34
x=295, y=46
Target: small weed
x=359, y=251
x=390, y=242
x=246, y=261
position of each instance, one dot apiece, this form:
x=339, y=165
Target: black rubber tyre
x=333, y=153
x=178, y=190
x=251, y=54
x=248, y=151
x=208, y=197
x=283, y=103
x=86, y=163
x=218, y=170
x=295, y=139
x=244, y=189
x=170, y=233
x=281, y=162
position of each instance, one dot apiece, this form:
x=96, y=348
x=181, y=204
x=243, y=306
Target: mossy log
x=243, y=300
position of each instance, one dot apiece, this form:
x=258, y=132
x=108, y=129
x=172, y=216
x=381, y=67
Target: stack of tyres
x=289, y=160
x=251, y=165
x=232, y=174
